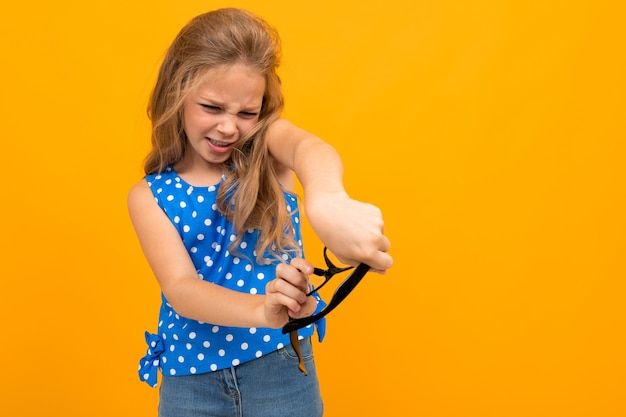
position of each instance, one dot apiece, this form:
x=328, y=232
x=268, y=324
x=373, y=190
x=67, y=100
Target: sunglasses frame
x=327, y=273
x=344, y=289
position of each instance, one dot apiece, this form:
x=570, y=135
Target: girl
x=219, y=226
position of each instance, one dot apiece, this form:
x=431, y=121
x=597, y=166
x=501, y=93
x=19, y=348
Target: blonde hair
x=251, y=196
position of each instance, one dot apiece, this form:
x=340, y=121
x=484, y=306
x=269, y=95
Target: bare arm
x=352, y=230
x=194, y=298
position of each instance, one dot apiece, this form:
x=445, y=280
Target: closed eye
x=216, y=109
x=210, y=107
x=248, y=114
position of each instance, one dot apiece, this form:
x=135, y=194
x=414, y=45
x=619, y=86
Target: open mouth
x=219, y=144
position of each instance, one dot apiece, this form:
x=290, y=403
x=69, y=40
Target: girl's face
x=220, y=112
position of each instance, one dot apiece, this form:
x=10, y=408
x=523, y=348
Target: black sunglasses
x=344, y=289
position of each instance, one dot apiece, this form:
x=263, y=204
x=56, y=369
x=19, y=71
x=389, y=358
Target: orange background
x=491, y=133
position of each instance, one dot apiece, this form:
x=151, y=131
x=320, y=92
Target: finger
x=295, y=274
x=291, y=305
x=381, y=262
x=378, y=261
x=278, y=308
x=302, y=265
x=285, y=288
x=385, y=244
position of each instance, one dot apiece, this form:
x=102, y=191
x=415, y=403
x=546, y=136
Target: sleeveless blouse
x=185, y=346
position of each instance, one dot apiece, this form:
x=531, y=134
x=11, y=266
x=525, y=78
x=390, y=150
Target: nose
x=228, y=125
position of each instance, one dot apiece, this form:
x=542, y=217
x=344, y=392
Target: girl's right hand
x=352, y=230
x=285, y=296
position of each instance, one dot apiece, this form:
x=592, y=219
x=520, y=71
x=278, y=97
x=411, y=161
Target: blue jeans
x=271, y=386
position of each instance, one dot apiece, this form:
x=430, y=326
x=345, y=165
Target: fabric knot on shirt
x=149, y=364
x=320, y=325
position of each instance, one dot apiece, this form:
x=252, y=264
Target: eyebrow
x=253, y=108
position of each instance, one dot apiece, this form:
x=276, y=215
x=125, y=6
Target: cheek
x=187, y=121
x=246, y=125
x=197, y=122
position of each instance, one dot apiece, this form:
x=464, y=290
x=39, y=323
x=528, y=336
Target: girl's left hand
x=285, y=296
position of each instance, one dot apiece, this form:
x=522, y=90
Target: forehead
x=231, y=81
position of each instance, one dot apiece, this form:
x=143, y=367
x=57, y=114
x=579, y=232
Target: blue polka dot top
x=183, y=346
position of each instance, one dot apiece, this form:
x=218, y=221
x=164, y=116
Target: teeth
x=217, y=143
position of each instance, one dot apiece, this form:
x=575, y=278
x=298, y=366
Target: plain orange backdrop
x=491, y=134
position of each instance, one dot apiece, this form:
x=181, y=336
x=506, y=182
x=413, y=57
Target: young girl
x=219, y=226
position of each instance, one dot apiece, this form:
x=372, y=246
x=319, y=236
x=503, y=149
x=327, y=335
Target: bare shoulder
x=149, y=220
x=140, y=197
x=280, y=125
x=282, y=134
x=139, y=190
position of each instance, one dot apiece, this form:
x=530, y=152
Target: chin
x=214, y=159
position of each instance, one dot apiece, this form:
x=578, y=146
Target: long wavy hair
x=251, y=196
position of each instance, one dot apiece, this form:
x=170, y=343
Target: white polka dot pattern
x=190, y=346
